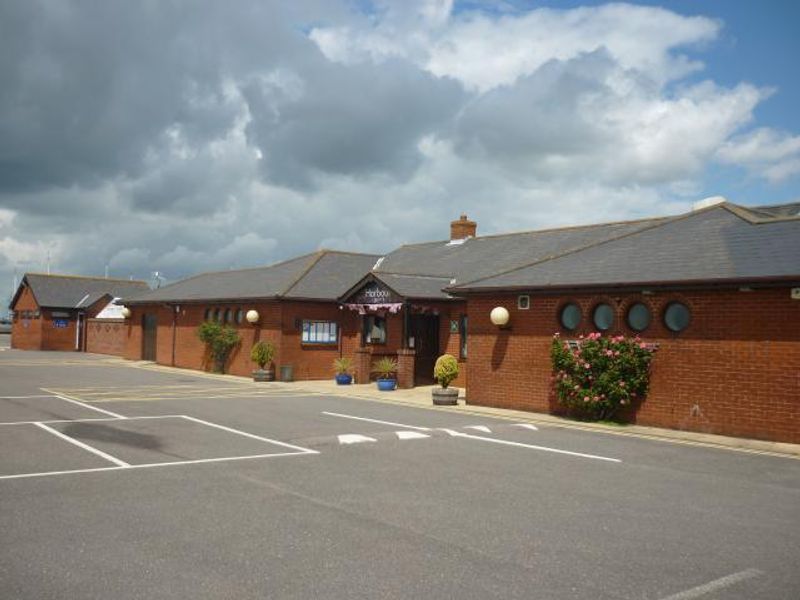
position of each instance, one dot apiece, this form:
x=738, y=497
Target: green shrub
x=445, y=370
x=220, y=340
x=262, y=353
x=385, y=367
x=343, y=365
x=596, y=376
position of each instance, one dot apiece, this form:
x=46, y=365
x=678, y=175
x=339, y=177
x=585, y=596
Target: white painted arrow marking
x=526, y=426
x=410, y=435
x=482, y=428
x=355, y=438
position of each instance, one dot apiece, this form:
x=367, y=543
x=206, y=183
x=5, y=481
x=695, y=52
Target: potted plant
x=262, y=354
x=385, y=368
x=342, y=367
x=219, y=341
x=444, y=372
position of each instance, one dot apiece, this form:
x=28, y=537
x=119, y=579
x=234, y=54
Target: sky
x=187, y=136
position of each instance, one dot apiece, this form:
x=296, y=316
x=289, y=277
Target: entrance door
x=149, y=329
x=425, y=331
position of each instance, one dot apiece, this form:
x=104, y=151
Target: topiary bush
x=445, y=370
x=262, y=353
x=596, y=376
x=219, y=340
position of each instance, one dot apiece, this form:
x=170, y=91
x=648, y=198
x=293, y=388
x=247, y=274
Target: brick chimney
x=462, y=228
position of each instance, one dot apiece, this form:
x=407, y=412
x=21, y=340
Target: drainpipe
x=175, y=310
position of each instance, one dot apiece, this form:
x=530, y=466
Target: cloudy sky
x=180, y=136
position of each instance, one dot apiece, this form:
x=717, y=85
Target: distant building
x=50, y=312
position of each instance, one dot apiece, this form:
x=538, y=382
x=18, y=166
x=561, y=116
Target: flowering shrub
x=597, y=375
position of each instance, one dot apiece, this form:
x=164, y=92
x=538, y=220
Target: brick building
x=51, y=312
x=714, y=288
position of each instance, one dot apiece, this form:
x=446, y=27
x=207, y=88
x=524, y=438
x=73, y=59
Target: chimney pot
x=462, y=228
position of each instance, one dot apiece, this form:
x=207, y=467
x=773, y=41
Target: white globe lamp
x=252, y=316
x=499, y=316
x=126, y=312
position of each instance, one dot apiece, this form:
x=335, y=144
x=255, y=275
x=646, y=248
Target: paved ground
x=123, y=481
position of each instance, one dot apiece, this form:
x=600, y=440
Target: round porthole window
x=603, y=317
x=676, y=317
x=570, y=316
x=639, y=316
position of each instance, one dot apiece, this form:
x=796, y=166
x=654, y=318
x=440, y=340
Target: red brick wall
x=106, y=336
x=734, y=371
x=26, y=334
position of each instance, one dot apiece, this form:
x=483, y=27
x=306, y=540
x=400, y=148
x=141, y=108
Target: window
x=570, y=316
x=374, y=330
x=208, y=315
x=639, y=316
x=523, y=302
x=603, y=316
x=319, y=332
x=463, y=343
x=239, y=316
x=229, y=315
x=218, y=315
x=676, y=316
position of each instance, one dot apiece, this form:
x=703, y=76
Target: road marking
x=717, y=584
x=454, y=433
x=482, y=428
x=93, y=420
x=410, y=435
x=403, y=425
x=86, y=447
x=100, y=410
x=250, y=435
x=354, y=438
x=526, y=426
x=533, y=447
x=153, y=465
x=24, y=397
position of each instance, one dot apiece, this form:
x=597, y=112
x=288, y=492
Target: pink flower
x=577, y=387
x=642, y=345
x=586, y=398
x=621, y=384
x=587, y=366
x=623, y=402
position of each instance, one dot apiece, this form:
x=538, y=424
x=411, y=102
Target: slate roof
x=483, y=256
x=719, y=244
x=417, y=286
x=322, y=275
x=70, y=291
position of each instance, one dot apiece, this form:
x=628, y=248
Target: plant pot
x=344, y=379
x=264, y=375
x=387, y=385
x=445, y=396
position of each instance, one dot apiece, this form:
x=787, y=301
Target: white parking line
x=717, y=584
x=250, y=435
x=153, y=465
x=100, y=410
x=354, y=438
x=526, y=426
x=86, y=447
x=479, y=438
x=333, y=414
x=24, y=397
x=410, y=435
x=482, y=428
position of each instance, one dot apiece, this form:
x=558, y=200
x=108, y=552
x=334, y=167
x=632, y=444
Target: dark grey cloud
x=348, y=120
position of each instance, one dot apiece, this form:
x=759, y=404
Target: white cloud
x=772, y=154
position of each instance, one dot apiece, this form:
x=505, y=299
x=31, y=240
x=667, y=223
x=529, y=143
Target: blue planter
x=387, y=385
x=344, y=379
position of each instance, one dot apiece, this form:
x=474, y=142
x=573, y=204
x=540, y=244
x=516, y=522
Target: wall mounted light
x=499, y=316
x=126, y=312
x=252, y=316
